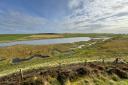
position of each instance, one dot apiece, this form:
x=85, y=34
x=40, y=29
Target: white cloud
x=18, y=21
x=84, y=16
x=97, y=16
x=73, y=4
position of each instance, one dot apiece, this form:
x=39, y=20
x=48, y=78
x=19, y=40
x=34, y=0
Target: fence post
x=103, y=60
x=21, y=74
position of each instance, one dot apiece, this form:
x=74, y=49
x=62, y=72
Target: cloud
x=73, y=4
x=81, y=16
x=18, y=21
x=97, y=16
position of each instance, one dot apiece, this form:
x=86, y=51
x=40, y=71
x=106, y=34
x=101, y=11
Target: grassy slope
x=94, y=73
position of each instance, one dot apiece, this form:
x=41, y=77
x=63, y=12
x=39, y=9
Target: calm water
x=47, y=41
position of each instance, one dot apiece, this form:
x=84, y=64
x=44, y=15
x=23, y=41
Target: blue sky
x=41, y=16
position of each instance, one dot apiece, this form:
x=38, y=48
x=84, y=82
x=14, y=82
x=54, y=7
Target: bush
x=82, y=71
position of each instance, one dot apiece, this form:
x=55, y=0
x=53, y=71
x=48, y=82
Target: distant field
x=12, y=37
x=20, y=37
x=44, y=36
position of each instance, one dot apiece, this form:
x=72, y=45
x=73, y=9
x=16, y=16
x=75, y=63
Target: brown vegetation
x=67, y=73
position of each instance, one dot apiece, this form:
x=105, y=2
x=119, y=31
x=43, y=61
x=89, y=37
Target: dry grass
x=117, y=45
x=93, y=73
x=45, y=36
x=23, y=51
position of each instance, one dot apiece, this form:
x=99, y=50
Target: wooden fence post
x=21, y=74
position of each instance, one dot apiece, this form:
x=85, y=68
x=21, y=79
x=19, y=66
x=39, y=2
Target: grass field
x=115, y=47
x=94, y=49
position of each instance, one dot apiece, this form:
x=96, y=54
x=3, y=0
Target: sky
x=63, y=16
